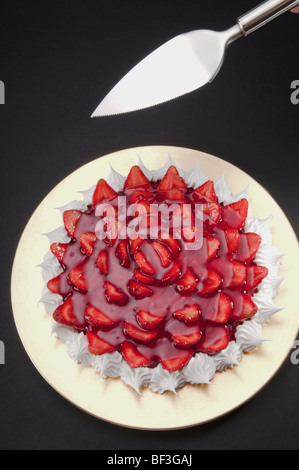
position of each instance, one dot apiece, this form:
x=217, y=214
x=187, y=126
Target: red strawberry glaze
x=217, y=280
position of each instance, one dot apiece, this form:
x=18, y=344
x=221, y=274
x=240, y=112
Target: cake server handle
x=263, y=14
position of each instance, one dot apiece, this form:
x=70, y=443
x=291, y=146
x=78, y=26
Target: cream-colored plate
x=111, y=399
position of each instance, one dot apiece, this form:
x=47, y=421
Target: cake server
x=184, y=63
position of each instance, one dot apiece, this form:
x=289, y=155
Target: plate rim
x=135, y=151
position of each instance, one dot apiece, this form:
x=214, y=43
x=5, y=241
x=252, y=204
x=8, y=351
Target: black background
x=58, y=59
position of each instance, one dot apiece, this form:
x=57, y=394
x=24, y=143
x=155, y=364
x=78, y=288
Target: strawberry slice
x=224, y=309
x=239, y=274
x=211, y=283
x=122, y=253
x=215, y=339
x=189, y=233
x=184, y=211
x=233, y=273
x=112, y=229
x=143, y=264
x=87, y=241
x=255, y=275
x=54, y=284
x=142, y=207
x=133, y=357
x=59, y=249
x=135, y=243
x=187, y=283
x=189, y=314
x=138, y=290
x=186, y=341
x=136, y=179
x=170, y=242
x=102, y=262
x=232, y=239
x=212, y=210
x=97, y=345
x=114, y=295
x=97, y=318
x=248, y=246
x=163, y=252
x=220, y=310
x=76, y=278
x=207, y=190
x=138, y=334
x=70, y=220
x=247, y=310
x=178, y=362
x=234, y=215
x=171, y=275
x=212, y=246
x=110, y=211
x=64, y=314
x=174, y=195
x=149, y=321
x=103, y=192
x=171, y=180
x=142, y=195
x=143, y=278
x=147, y=224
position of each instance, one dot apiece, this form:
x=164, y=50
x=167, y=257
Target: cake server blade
x=184, y=63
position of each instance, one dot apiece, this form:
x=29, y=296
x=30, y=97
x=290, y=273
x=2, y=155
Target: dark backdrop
x=58, y=59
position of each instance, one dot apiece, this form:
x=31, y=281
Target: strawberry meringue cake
x=160, y=278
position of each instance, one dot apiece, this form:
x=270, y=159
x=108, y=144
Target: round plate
x=111, y=399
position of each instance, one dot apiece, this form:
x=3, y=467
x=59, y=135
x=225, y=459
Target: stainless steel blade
x=180, y=66
x=184, y=63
